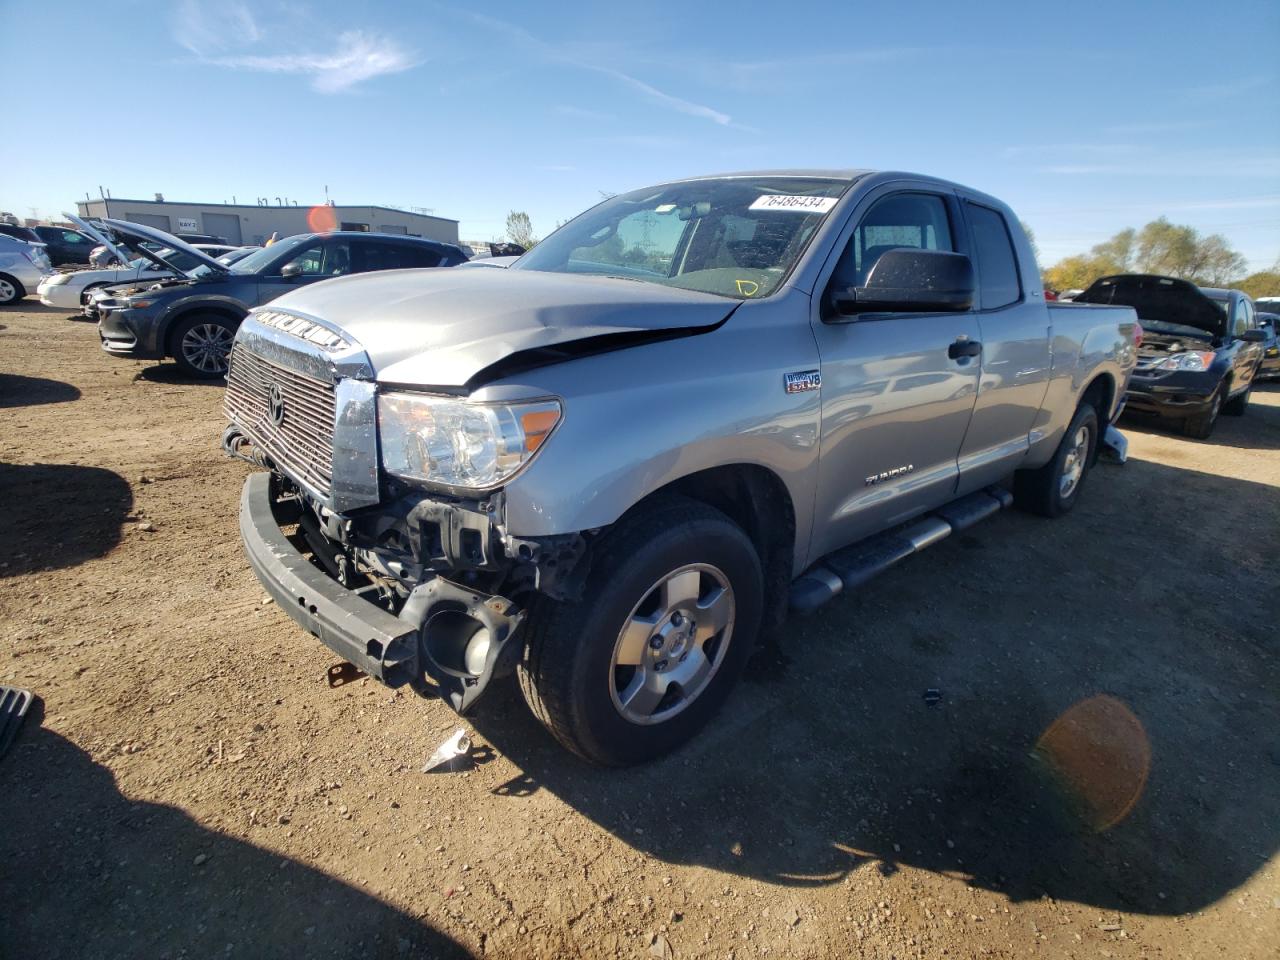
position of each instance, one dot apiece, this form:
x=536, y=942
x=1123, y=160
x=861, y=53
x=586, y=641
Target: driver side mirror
x=1254, y=336
x=291, y=271
x=907, y=280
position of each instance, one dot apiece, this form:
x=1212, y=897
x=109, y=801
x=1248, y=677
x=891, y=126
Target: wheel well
x=172, y=324
x=1100, y=393
x=755, y=499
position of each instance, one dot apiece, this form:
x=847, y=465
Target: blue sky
x=1085, y=117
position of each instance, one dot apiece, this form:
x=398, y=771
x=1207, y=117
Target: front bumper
x=129, y=333
x=58, y=295
x=424, y=645
x=1185, y=394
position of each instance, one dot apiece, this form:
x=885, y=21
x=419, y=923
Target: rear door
x=895, y=402
x=370, y=255
x=1016, y=350
x=1247, y=355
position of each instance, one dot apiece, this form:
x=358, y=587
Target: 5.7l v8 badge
x=802, y=381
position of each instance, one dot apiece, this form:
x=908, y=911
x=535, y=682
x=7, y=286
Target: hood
x=1159, y=299
x=89, y=230
x=455, y=328
x=134, y=235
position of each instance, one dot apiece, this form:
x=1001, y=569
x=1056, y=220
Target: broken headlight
x=458, y=443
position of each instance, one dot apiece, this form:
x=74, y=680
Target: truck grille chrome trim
x=307, y=404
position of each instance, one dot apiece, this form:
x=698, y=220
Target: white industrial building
x=254, y=223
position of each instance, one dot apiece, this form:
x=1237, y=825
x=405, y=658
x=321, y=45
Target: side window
x=330, y=259
x=917, y=220
x=997, y=264
x=70, y=237
x=1244, y=317
x=393, y=256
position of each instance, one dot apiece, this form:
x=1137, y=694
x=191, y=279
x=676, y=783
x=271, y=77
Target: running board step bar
x=853, y=566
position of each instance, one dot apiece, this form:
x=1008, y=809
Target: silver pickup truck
x=609, y=466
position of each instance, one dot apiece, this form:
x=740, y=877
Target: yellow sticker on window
x=748, y=288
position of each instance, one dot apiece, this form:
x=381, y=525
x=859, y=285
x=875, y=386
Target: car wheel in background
x=668, y=617
x=11, y=290
x=202, y=345
x=1201, y=427
x=1052, y=490
x=1238, y=405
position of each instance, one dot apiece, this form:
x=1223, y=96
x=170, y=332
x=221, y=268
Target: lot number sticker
x=780, y=201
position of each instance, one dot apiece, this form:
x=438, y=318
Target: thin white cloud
x=219, y=35
x=553, y=54
x=356, y=57
x=203, y=28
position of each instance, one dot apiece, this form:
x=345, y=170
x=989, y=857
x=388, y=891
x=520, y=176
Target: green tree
x=1264, y=283
x=520, y=229
x=1161, y=247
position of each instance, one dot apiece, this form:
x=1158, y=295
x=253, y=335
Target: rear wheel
x=11, y=290
x=1201, y=427
x=1052, y=489
x=202, y=345
x=669, y=615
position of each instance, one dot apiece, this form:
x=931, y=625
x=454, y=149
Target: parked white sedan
x=70, y=291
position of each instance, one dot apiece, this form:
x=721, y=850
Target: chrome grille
x=302, y=443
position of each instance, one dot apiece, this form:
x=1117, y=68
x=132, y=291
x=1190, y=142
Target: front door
x=897, y=389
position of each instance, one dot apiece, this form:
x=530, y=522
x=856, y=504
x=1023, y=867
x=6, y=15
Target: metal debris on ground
x=933, y=696
x=449, y=752
x=13, y=707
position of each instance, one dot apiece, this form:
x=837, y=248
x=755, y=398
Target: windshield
x=736, y=237
x=255, y=261
x=183, y=261
x=227, y=259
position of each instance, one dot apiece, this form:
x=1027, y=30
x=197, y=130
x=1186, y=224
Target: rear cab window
x=997, y=264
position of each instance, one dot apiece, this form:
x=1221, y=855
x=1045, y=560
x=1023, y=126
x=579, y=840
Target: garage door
x=157, y=220
x=225, y=225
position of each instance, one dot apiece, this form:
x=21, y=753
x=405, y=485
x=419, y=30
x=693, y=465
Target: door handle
x=963, y=348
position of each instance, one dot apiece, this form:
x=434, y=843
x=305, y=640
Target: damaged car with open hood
x=192, y=316
x=1201, y=348
x=695, y=407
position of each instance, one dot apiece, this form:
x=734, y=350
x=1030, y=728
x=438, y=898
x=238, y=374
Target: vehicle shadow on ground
x=1258, y=429
x=68, y=829
x=172, y=375
x=1159, y=797
x=60, y=515
x=19, y=391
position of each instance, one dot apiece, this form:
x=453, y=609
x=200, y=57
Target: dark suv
x=194, y=317
x=1200, y=352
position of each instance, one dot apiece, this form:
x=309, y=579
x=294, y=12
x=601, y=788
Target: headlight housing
x=1187, y=361
x=58, y=279
x=459, y=443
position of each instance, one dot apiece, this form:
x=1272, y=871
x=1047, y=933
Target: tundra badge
x=802, y=381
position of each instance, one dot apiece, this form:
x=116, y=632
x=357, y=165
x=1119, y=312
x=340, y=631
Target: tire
x=1236, y=406
x=1053, y=489
x=571, y=675
x=11, y=290
x=1201, y=427
x=202, y=345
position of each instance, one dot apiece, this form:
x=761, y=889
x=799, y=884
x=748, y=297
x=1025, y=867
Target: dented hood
x=456, y=328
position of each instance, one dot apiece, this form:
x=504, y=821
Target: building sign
x=187, y=224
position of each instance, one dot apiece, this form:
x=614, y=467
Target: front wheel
x=1201, y=427
x=202, y=345
x=1052, y=490
x=668, y=617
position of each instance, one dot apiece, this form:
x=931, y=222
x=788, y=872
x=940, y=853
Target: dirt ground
x=1100, y=777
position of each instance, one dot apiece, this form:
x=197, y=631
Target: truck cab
x=696, y=407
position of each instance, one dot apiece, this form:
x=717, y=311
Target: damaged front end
x=410, y=586
x=418, y=592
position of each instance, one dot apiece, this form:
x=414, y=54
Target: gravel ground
x=1098, y=778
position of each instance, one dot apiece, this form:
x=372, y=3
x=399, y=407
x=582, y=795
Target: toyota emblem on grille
x=275, y=405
